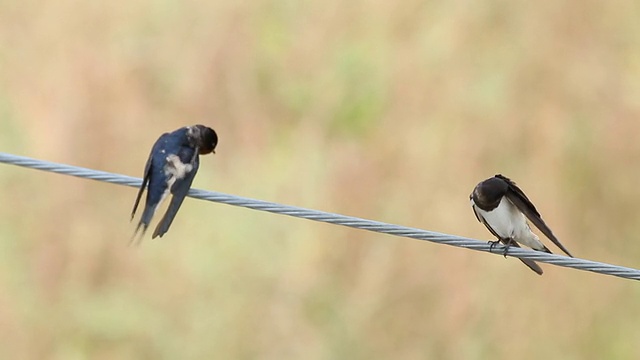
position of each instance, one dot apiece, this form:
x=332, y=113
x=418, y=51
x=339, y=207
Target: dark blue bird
x=171, y=168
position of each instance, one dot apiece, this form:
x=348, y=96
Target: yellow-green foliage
x=389, y=110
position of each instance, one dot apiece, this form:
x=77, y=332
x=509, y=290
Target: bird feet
x=507, y=245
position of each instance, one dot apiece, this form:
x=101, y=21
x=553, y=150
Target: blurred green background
x=379, y=109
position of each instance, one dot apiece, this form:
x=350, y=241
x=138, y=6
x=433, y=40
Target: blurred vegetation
x=379, y=109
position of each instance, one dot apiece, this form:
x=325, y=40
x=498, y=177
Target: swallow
x=170, y=169
x=503, y=208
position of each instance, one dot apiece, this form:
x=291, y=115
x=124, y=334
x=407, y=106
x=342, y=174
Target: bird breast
x=506, y=220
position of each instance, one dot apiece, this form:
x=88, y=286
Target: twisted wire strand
x=336, y=219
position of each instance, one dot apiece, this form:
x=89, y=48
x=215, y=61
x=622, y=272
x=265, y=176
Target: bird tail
x=532, y=265
x=145, y=220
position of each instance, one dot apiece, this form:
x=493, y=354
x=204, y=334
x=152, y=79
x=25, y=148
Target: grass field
x=378, y=109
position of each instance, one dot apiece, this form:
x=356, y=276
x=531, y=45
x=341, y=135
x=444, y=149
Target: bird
x=170, y=169
x=503, y=208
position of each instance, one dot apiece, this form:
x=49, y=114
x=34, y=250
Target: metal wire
x=337, y=219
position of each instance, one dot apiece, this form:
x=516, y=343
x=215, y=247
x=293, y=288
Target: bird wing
x=520, y=200
x=145, y=181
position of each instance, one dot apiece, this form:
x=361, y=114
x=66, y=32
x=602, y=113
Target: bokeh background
x=373, y=108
